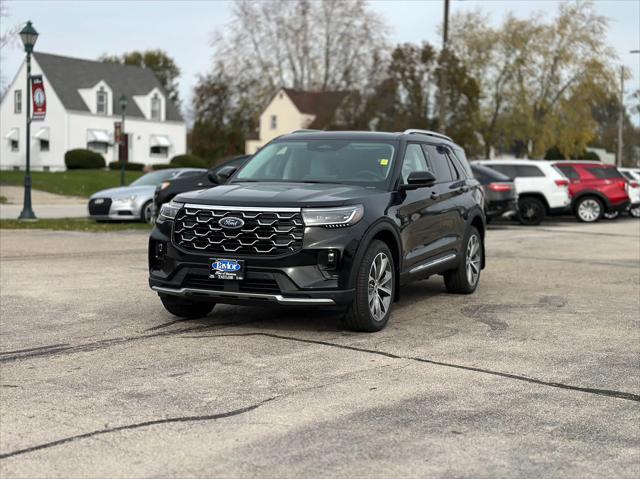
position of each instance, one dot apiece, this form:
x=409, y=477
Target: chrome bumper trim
x=435, y=262
x=262, y=209
x=232, y=294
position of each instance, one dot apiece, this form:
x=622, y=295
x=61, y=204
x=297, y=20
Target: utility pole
x=443, y=56
x=621, y=118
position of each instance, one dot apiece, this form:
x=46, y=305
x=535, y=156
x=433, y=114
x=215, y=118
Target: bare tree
x=309, y=45
x=7, y=38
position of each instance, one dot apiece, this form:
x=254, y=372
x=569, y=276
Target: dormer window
x=156, y=108
x=101, y=102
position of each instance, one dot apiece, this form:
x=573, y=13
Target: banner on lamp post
x=117, y=132
x=39, y=98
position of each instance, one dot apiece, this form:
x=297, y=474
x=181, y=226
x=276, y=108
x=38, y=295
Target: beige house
x=291, y=110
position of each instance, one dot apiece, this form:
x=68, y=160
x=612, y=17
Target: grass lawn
x=73, y=182
x=72, y=224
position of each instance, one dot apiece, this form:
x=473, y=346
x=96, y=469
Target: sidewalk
x=45, y=205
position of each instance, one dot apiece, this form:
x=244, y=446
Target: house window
x=156, y=105
x=44, y=145
x=15, y=145
x=17, y=101
x=98, y=146
x=274, y=122
x=159, y=151
x=101, y=102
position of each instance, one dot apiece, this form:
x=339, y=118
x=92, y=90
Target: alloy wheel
x=635, y=212
x=380, y=286
x=473, y=259
x=589, y=210
x=612, y=215
x=147, y=213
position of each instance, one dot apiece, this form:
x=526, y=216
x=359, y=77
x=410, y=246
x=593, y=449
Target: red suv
x=595, y=189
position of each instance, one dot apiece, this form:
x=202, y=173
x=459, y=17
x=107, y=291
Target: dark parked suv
x=331, y=219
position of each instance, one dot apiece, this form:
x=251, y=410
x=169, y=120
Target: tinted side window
x=508, y=170
x=414, y=160
x=528, y=171
x=570, y=172
x=454, y=168
x=462, y=158
x=603, y=172
x=439, y=162
x=628, y=175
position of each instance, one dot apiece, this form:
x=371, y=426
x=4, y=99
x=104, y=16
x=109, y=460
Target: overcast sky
x=86, y=29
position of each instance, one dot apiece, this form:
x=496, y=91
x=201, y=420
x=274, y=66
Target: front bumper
x=117, y=211
x=297, y=279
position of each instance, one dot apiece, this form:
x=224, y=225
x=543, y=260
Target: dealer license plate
x=227, y=269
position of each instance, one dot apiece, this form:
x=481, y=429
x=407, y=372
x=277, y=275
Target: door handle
x=434, y=195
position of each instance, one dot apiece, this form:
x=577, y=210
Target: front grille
x=99, y=206
x=249, y=285
x=271, y=233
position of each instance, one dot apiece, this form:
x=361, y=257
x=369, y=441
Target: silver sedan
x=134, y=202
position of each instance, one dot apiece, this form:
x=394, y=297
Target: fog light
x=160, y=249
x=328, y=259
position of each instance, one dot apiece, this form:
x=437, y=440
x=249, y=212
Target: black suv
x=331, y=219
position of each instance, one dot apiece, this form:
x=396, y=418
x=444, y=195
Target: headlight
x=169, y=210
x=333, y=217
x=164, y=184
x=126, y=199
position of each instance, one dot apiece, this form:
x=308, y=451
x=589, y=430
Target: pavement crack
x=55, y=347
x=99, y=432
x=600, y=392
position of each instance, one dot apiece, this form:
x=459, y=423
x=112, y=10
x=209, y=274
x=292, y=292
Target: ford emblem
x=231, y=222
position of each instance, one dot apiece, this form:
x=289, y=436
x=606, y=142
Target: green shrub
x=591, y=156
x=128, y=166
x=162, y=166
x=554, y=154
x=81, y=159
x=188, y=161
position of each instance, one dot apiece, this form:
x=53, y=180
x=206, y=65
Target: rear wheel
x=465, y=278
x=589, y=209
x=611, y=215
x=531, y=211
x=375, y=288
x=184, y=308
x=635, y=212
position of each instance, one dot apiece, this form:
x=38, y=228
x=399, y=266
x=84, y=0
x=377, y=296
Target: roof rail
x=429, y=133
x=304, y=130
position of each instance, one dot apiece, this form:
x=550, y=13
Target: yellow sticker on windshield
x=384, y=162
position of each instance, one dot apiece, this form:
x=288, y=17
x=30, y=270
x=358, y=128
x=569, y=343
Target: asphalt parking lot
x=537, y=373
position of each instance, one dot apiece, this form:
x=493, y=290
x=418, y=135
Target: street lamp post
x=123, y=142
x=29, y=36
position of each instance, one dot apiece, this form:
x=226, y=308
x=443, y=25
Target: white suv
x=633, y=189
x=542, y=188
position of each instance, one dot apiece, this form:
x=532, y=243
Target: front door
x=419, y=214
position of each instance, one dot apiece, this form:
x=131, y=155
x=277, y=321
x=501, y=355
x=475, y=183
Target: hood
x=279, y=194
x=125, y=191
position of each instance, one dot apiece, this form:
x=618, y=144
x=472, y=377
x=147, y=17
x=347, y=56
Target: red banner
x=39, y=98
x=117, y=132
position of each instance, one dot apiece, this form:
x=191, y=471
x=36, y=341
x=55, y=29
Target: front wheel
x=531, y=211
x=184, y=308
x=611, y=215
x=375, y=288
x=465, y=278
x=635, y=212
x=146, y=214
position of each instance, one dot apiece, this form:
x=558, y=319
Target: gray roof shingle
x=68, y=75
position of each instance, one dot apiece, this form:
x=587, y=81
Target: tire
x=466, y=277
x=146, y=212
x=183, y=308
x=589, y=209
x=611, y=215
x=531, y=211
x=635, y=212
x=375, y=290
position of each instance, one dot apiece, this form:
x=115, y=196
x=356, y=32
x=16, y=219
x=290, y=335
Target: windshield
x=322, y=161
x=155, y=178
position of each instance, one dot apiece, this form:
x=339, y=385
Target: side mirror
x=221, y=176
x=419, y=179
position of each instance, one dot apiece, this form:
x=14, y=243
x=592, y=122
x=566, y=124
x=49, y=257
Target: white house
x=291, y=110
x=82, y=106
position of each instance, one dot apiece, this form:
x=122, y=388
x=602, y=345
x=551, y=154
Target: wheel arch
x=477, y=221
x=605, y=201
x=383, y=230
